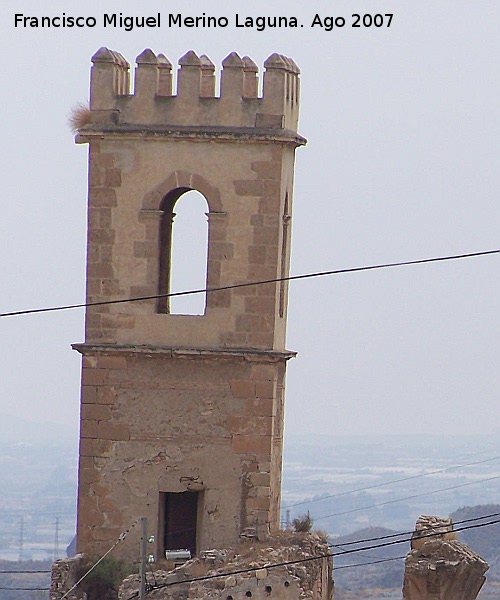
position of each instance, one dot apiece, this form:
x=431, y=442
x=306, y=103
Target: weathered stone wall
x=440, y=567
x=157, y=421
x=185, y=402
x=245, y=182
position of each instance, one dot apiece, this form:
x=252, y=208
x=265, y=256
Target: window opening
x=183, y=252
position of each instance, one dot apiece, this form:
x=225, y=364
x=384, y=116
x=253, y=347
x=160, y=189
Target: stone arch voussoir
x=183, y=179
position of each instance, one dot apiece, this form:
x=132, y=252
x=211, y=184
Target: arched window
x=183, y=251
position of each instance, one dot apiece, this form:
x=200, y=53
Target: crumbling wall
x=64, y=576
x=247, y=573
x=439, y=567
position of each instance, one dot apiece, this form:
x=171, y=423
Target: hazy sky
x=401, y=164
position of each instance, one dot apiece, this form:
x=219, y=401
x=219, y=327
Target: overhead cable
x=250, y=283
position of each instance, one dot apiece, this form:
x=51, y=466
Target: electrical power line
x=454, y=487
x=373, y=562
x=384, y=484
x=23, y=572
x=19, y=589
x=251, y=283
x=394, y=535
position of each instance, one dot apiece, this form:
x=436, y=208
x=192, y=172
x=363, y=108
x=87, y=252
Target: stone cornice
x=248, y=354
x=193, y=133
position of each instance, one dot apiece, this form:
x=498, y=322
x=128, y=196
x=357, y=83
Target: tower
x=182, y=415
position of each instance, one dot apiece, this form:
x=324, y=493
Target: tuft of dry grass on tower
x=79, y=116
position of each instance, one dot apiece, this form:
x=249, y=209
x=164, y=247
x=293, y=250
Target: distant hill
x=383, y=567
x=22, y=579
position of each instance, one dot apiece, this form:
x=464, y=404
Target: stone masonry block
x=113, y=178
x=113, y=431
x=259, y=305
x=113, y=518
x=221, y=250
x=266, y=289
x=244, y=425
x=90, y=447
x=247, y=290
x=96, y=177
x=260, y=273
x=113, y=362
x=257, y=220
x=233, y=339
x=252, y=323
x=271, y=187
x=103, y=270
x=269, y=205
x=251, y=444
x=104, y=534
x=94, y=376
x=249, y=187
x=260, y=479
x=88, y=428
x=89, y=361
x=111, y=288
x=89, y=394
x=103, y=197
x=86, y=462
x=106, y=253
x=264, y=372
x=107, y=160
x=259, y=406
x=242, y=389
x=261, y=503
x=97, y=412
x=93, y=288
x=88, y=507
x=267, y=169
x=102, y=236
x=118, y=321
x=264, y=389
x=257, y=255
x=87, y=476
x=260, y=340
x=93, y=321
x=260, y=491
x=148, y=249
x=265, y=235
x=220, y=299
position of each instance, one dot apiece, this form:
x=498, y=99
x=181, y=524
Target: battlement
x=195, y=103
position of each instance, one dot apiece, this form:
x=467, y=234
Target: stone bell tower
x=182, y=415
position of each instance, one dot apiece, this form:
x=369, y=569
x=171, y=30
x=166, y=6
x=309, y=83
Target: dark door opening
x=180, y=514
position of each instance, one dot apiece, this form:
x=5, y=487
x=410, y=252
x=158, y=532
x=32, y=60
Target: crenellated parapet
x=195, y=102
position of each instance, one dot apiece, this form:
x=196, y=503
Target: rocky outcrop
x=439, y=567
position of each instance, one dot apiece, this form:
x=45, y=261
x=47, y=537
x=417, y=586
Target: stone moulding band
x=224, y=134
x=251, y=355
